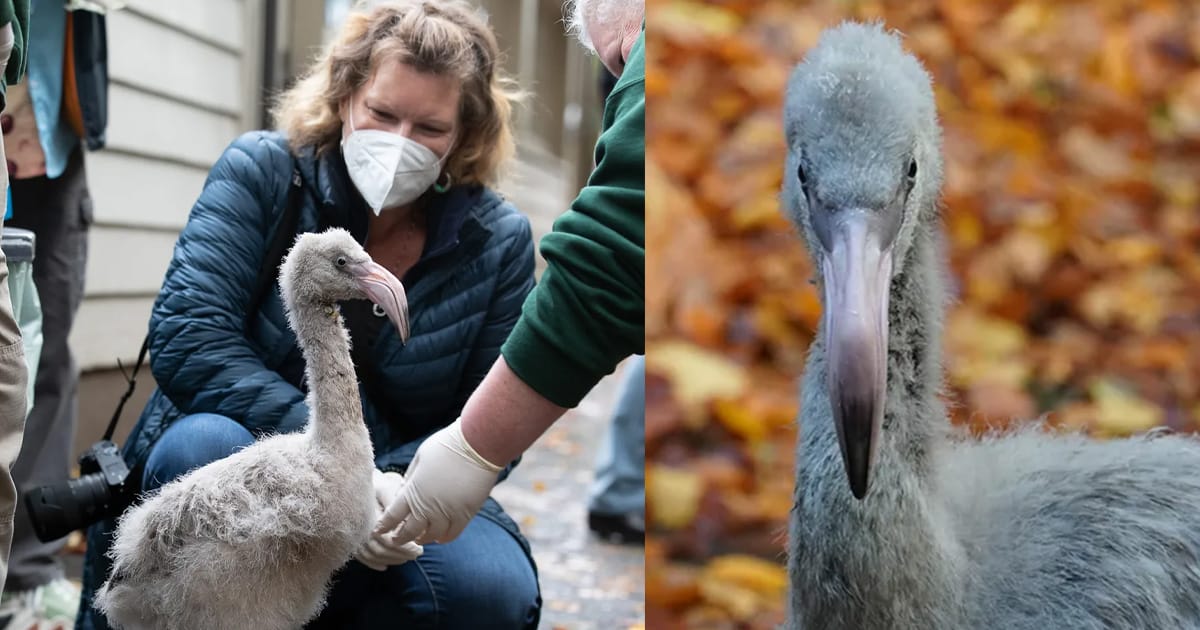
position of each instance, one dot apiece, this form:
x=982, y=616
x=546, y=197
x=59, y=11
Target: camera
x=103, y=489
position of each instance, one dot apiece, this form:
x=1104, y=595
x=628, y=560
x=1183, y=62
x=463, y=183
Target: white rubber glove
x=381, y=551
x=447, y=484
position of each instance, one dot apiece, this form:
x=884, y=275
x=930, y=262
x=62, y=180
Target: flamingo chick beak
x=382, y=288
x=857, y=271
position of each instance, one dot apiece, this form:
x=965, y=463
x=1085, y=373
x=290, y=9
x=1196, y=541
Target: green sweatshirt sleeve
x=588, y=311
x=15, y=12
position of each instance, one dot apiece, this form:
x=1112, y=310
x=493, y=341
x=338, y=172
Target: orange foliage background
x=1072, y=197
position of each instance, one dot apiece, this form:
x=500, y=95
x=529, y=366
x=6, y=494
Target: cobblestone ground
x=587, y=584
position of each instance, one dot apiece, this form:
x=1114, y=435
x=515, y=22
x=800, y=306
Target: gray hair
x=619, y=14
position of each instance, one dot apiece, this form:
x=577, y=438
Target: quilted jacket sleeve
x=201, y=357
x=515, y=283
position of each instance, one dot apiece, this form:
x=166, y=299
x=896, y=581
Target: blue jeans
x=620, y=484
x=482, y=579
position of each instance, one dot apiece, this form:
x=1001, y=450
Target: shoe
x=624, y=529
x=52, y=605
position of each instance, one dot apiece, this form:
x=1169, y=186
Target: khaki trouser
x=14, y=375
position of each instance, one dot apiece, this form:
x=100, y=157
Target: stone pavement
x=535, y=185
x=587, y=584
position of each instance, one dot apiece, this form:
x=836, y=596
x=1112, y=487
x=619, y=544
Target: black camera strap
x=285, y=233
x=112, y=424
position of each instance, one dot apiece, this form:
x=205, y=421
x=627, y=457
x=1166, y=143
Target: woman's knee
x=481, y=580
x=191, y=442
x=487, y=580
x=509, y=599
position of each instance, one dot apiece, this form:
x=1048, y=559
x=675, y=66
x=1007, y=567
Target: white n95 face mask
x=388, y=169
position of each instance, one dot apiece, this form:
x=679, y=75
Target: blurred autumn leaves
x=1072, y=224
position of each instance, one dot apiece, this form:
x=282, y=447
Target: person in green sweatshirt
x=14, y=376
x=585, y=316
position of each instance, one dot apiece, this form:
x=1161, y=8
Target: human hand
x=447, y=484
x=381, y=551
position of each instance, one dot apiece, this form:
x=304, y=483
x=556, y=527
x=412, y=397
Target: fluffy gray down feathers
x=251, y=540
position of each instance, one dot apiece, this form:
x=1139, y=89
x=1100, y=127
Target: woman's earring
x=440, y=187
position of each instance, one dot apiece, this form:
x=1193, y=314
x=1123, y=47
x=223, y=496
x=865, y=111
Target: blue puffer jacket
x=465, y=294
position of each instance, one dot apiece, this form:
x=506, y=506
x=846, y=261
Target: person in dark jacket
x=396, y=133
x=585, y=316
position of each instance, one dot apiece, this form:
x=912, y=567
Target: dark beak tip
x=858, y=430
x=859, y=488
x=857, y=473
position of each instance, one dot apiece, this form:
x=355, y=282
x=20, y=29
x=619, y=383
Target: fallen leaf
x=697, y=376
x=1120, y=412
x=672, y=585
x=672, y=496
x=763, y=577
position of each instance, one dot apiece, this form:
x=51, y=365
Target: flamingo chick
x=251, y=540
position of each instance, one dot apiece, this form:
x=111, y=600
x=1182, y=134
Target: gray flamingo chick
x=251, y=540
x=934, y=530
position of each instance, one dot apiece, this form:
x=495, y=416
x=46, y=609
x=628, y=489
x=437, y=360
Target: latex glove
x=382, y=551
x=447, y=484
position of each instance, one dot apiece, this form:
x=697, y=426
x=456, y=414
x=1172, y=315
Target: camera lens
x=59, y=509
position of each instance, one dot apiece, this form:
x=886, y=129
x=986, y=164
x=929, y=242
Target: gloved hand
x=381, y=551
x=447, y=484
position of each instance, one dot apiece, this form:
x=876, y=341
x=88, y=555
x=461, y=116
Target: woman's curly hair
x=442, y=37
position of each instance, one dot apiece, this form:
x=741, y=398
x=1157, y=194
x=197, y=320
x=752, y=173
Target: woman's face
x=398, y=99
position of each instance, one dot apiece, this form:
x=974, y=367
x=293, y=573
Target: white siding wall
x=181, y=74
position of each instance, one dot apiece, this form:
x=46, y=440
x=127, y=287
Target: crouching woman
x=396, y=134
